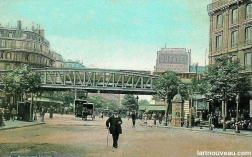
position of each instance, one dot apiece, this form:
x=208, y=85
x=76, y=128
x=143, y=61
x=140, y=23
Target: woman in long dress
x=1, y=118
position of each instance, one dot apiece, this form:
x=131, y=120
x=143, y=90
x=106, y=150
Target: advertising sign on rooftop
x=174, y=59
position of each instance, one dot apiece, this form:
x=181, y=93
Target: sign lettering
x=173, y=59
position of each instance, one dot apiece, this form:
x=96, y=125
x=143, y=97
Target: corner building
x=231, y=30
x=19, y=45
x=231, y=34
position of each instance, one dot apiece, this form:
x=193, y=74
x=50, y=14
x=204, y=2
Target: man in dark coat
x=133, y=117
x=51, y=110
x=113, y=123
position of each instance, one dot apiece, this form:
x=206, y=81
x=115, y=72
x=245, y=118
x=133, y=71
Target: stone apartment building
x=231, y=30
x=231, y=34
x=18, y=45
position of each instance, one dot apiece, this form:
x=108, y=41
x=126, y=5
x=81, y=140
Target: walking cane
x=107, y=137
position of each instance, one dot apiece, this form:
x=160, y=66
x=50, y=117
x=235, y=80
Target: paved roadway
x=68, y=136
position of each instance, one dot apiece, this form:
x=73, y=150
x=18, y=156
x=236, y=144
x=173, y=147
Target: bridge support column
x=75, y=97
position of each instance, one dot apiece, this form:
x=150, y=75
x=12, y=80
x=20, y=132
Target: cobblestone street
x=68, y=136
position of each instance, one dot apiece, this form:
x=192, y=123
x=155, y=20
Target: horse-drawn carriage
x=84, y=109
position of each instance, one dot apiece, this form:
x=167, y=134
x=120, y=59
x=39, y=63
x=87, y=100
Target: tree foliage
x=129, y=101
x=22, y=80
x=168, y=85
x=111, y=105
x=224, y=78
x=97, y=100
x=143, y=102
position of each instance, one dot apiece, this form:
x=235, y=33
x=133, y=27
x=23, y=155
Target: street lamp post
x=137, y=107
x=237, y=107
x=224, y=109
x=196, y=68
x=35, y=116
x=190, y=109
x=167, y=108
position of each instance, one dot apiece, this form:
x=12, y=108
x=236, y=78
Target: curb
x=212, y=131
x=15, y=127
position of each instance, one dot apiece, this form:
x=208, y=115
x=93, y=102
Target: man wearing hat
x=113, y=123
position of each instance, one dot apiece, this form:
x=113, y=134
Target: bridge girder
x=95, y=80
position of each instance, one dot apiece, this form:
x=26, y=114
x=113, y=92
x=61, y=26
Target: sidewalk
x=206, y=129
x=18, y=124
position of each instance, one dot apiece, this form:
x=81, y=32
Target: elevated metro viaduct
x=94, y=80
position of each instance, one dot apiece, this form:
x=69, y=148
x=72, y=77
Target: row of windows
x=15, y=44
x=24, y=57
x=23, y=35
x=234, y=16
x=234, y=38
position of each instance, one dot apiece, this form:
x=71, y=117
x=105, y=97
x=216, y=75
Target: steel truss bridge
x=95, y=80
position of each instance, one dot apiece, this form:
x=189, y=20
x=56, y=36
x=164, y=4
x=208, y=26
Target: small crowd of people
x=6, y=115
x=114, y=122
x=44, y=110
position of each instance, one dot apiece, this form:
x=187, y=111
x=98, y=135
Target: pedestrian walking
x=51, y=110
x=113, y=123
x=43, y=111
x=187, y=120
x=13, y=113
x=84, y=113
x=160, y=118
x=102, y=115
x=62, y=111
x=1, y=118
x=144, y=118
x=154, y=117
x=7, y=114
x=210, y=121
x=133, y=117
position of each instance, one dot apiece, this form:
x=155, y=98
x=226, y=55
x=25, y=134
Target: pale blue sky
x=115, y=34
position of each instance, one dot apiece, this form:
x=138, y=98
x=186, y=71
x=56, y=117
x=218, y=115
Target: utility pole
x=237, y=112
x=224, y=109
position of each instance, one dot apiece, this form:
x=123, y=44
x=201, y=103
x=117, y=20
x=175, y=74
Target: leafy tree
x=68, y=97
x=167, y=86
x=143, y=103
x=129, y=101
x=97, y=100
x=200, y=86
x=224, y=80
x=111, y=105
x=22, y=80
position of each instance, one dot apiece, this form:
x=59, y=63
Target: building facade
x=19, y=45
x=231, y=30
x=231, y=34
